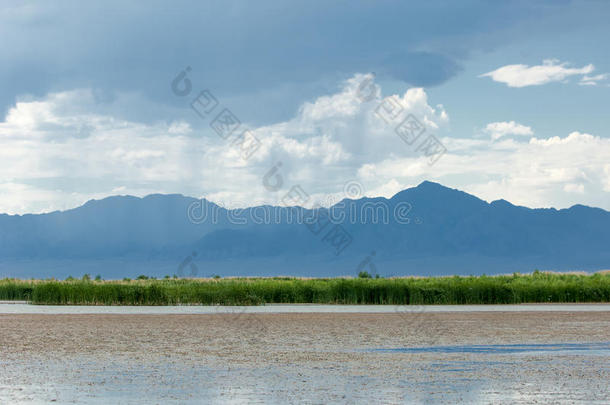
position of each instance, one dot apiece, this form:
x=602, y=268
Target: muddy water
x=399, y=357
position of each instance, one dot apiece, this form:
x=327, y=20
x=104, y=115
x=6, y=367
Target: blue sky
x=517, y=93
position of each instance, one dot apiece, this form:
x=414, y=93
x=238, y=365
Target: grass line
x=514, y=289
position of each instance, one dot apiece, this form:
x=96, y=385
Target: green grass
x=534, y=288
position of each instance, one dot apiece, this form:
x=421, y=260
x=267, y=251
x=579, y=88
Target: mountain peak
x=430, y=189
x=501, y=203
x=430, y=184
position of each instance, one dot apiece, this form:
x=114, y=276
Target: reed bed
x=513, y=289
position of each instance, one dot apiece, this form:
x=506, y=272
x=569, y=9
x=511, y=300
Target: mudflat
x=475, y=357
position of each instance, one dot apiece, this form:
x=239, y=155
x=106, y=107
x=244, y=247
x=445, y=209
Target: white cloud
x=540, y=172
x=179, y=128
x=545, y=172
x=574, y=138
x=551, y=70
x=499, y=129
x=592, y=80
x=59, y=151
x=574, y=188
x=329, y=141
x=606, y=181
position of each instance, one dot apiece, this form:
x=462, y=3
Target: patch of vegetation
x=539, y=287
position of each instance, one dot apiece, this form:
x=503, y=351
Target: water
x=597, y=349
x=498, y=377
x=500, y=354
x=23, y=308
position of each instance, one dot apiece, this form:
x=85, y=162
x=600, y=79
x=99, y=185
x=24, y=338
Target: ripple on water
x=598, y=348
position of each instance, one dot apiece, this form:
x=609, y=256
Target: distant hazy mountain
x=429, y=229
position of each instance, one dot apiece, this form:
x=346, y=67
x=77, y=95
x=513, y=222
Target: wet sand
x=239, y=357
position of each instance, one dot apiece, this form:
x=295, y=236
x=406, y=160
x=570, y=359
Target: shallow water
x=507, y=379
x=595, y=349
x=22, y=308
x=422, y=356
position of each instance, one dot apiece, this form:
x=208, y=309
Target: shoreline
x=25, y=308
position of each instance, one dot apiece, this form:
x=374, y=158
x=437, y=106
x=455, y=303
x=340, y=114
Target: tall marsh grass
x=514, y=289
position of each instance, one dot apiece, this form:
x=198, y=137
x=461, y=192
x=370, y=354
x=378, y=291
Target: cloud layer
x=266, y=50
x=58, y=151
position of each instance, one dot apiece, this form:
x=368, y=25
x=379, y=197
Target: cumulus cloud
x=59, y=146
x=499, y=129
x=58, y=151
x=539, y=172
x=331, y=138
x=551, y=70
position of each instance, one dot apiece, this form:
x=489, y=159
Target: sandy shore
x=305, y=358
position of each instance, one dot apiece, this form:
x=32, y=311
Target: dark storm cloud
x=240, y=47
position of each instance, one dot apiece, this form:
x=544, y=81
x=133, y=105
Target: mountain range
x=425, y=230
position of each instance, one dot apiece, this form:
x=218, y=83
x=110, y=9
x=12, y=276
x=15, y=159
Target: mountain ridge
x=427, y=229
x=425, y=182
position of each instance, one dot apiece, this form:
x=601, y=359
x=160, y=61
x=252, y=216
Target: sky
x=244, y=102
